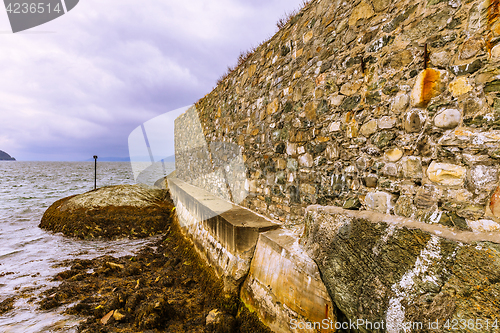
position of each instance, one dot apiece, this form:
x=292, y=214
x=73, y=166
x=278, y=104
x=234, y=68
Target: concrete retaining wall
x=256, y=258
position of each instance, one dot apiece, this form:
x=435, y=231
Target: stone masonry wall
x=342, y=107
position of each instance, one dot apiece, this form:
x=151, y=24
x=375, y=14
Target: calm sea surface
x=27, y=253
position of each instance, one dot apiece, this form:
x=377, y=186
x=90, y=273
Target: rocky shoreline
x=164, y=287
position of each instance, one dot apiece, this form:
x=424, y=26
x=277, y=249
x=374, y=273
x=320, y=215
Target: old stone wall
x=343, y=107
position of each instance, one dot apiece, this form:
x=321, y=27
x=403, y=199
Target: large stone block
x=427, y=85
x=393, y=270
x=448, y=118
x=446, y=174
x=362, y=11
x=223, y=233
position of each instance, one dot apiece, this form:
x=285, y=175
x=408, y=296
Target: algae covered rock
x=111, y=212
x=401, y=275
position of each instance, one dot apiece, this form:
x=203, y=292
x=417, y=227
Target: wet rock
x=411, y=167
x=424, y=277
x=387, y=122
x=7, y=305
x=470, y=48
x=446, y=174
x=394, y=154
x=400, y=103
x=306, y=160
x=448, y=118
x=460, y=86
x=467, y=68
x=483, y=177
x=352, y=203
x=426, y=197
x=451, y=219
x=219, y=322
x=413, y=121
x=404, y=206
x=379, y=201
x=110, y=212
x=371, y=180
x=369, y=128
x=362, y=11
x=49, y=303
x=382, y=138
x=171, y=293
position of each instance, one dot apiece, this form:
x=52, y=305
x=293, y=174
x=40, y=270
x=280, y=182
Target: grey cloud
x=111, y=65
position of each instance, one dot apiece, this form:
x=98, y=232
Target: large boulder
x=392, y=274
x=111, y=212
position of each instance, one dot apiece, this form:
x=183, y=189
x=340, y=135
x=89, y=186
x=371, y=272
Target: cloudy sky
x=79, y=85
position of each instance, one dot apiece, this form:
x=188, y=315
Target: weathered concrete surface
x=110, y=212
x=392, y=270
x=224, y=234
x=284, y=285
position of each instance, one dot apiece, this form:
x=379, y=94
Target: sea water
x=28, y=254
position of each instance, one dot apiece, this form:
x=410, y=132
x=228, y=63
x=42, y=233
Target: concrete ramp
x=284, y=286
x=224, y=233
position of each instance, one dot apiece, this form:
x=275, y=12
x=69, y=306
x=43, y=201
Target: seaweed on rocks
x=165, y=287
x=7, y=305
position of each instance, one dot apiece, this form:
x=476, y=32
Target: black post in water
x=95, y=172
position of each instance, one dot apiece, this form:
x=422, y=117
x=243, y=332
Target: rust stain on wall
x=493, y=15
x=429, y=86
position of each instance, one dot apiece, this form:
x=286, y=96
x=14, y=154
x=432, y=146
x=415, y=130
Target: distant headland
x=6, y=157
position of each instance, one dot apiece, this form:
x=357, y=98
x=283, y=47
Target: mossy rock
x=111, y=212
